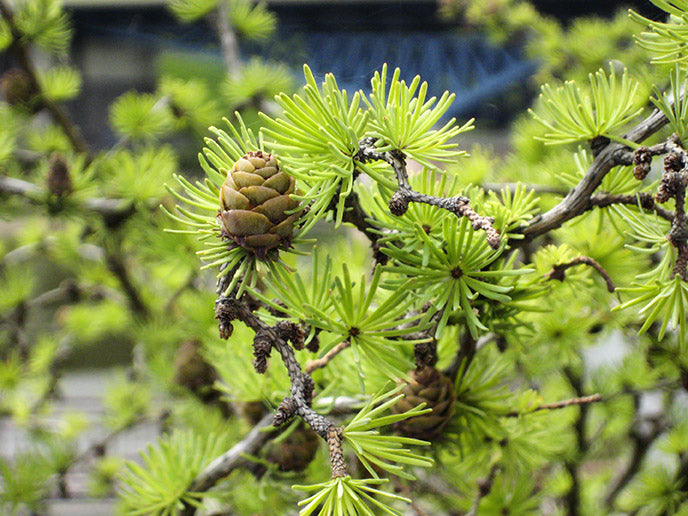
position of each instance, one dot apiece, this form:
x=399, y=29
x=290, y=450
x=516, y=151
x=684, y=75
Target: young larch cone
x=256, y=210
x=436, y=390
x=295, y=452
x=192, y=371
x=59, y=180
x=17, y=88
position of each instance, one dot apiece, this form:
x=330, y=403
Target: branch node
x=642, y=159
x=597, y=144
x=262, y=346
x=558, y=271
x=399, y=203
x=285, y=412
x=289, y=330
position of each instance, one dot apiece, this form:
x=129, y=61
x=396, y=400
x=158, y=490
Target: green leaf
x=317, y=138
x=403, y=118
x=253, y=22
x=60, y=83
x=255, y=81
x=674, y=103
x=667, y=40
x=45, y=23
x=667, y=299
x=25, y=481
x=450, y=272
x=572, y=114
x=191, y=10
x=140, y=116
x=160, y=485
x=385, y=451
x=344, y=496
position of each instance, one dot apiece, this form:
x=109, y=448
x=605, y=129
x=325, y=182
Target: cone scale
x=256, y=209
x=436, y=390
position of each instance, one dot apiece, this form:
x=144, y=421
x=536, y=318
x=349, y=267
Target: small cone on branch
x=436, y=390
x=256, y=210
x=192, y=371
x=296, y=451
x=17, y=88
x=251, y=411
x=59, y=181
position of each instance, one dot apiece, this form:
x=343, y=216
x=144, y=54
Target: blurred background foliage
x=88, y=279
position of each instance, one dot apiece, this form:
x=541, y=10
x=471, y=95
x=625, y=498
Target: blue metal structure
x=349, y=42
x=469, y=66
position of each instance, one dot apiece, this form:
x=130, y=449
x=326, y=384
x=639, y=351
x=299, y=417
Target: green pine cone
x=431, y=387
x=255, y=206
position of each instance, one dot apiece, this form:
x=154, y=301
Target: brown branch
x=643, y=199
x=540, y=189
x=572, y=498
x=582, y=400
x=232, y=459
x=642, y=441
x=189, y=283
x=228, y=39
x=97, y=449
x=22, y=54
x=298, y=403
x=484, y=488
x=558, y=271
x=321, y=362
x=117, y=267
x=257, y=437
x=67, y=292
x=356, y=215
x=334, y=443
x=398, y=204
x=577, y=200
x=399, y=487
x=673, y=186
x=468, y=346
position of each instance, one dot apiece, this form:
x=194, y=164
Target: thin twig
x=67, y=292
x=405, y=490
x=673, y=186
x=356, y=215
x=539, y=189
x=298, y=403
x=484, y=488
x=642, y=441
x=582, y=400
x=405, y=194
x=97, y=449
x=321, y=362
x=577, y=200
x=233, y=458
x=116, y=265
x=643, y=199
x=468, y=347
x=558, y=271
x=572, y=498
x=189, y=283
